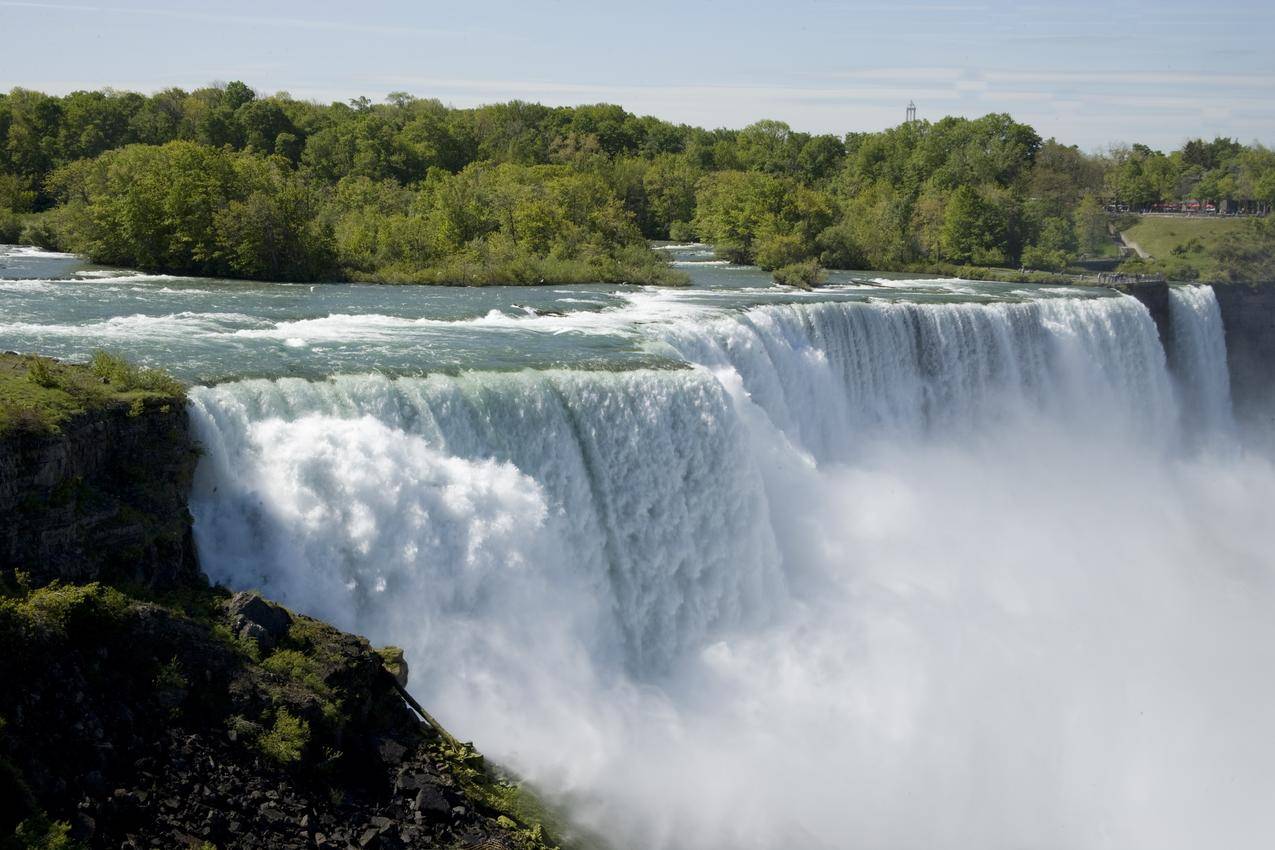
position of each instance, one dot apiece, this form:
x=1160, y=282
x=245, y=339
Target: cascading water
x=861, y=575
x=1199, y=359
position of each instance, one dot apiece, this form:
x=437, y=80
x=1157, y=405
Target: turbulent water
x=904, y=564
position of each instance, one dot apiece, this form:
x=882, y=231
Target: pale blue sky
x=1087, y=72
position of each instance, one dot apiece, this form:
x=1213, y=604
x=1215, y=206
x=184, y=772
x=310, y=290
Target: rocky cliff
x=1248, y=315
x=94, y=474
x=142, y=707
x=105, y=497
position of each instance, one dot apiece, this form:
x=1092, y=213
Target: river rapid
x=895, y=564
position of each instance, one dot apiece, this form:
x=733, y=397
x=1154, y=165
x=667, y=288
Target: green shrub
x=1035, y=257
x=10, y=227
x=73, y=610
x=39, y=833
x=39, y=373
x=776, y=250
x=124, y=376
x=287, y=739
x=681, y=231
x=41, y=233
x=305, y=670
x=804, y=275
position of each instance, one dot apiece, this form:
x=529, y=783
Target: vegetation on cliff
x=38, y=394
x=205, y=720
x=223, y=181
x=145, y=708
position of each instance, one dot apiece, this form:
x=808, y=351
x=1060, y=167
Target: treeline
x=221, y=181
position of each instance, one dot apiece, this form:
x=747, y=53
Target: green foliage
x=78, y=614
x=1045, y=259
x=286, y=740
x=39, y=373
x=40, y=833
x=804, y=275
x=508, y=224
x=191, y=209
x=124, y=376
x=10, y=227
x=171, y=677
x=1209, y=249
x=530, y=823
x=297, y=666
x=42, y=232
x=223, y=181
x=1090, y=224
x=37, y=394
x=1249, y=254
x=974, y=229
x=394, y=660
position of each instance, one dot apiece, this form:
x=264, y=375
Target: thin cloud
x=238, y=20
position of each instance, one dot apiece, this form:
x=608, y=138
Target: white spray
x=877, y=575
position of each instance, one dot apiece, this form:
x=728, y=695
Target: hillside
x=1204, y=248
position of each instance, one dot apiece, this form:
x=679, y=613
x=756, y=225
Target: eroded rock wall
x=102, y=498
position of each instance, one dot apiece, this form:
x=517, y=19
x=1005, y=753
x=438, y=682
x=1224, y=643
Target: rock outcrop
x=143, y=708
x=139, y=724
x=1248, y=315
x=104, y=497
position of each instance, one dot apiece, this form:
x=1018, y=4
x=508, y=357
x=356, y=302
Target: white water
x=869, y=575
x=1199, y=349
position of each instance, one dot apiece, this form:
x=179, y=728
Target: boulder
x=396, y=663
x=254, y=618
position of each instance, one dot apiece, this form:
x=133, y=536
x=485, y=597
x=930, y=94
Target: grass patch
x=38, y=394
x=1185, y=248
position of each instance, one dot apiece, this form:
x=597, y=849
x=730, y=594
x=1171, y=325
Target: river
x=894, y=564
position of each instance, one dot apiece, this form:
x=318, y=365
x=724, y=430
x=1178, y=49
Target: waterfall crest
x=856, y=575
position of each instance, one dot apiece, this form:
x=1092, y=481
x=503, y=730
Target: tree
x=1090, y=223
x=973, y=229
x=670, y=183
x=732, y=208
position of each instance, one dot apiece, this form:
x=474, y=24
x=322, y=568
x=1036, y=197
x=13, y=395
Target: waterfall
x=856, y=575
x=636, y=486
x=1199, y=357
x=832, y=373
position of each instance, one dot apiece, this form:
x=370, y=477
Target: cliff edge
x=145, y=708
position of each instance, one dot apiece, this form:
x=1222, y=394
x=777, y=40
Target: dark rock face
x=146, y=709
x=1155, y=297
x=142, y=727
x=260, y=621
x=1248, y=315
x=104, y=499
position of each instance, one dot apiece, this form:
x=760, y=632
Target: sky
x=1087, y=73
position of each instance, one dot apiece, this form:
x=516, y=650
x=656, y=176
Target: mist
x=865, y=576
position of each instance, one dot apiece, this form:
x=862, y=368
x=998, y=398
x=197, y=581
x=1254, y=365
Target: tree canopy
x=222, y=180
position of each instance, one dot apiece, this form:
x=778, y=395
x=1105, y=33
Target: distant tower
x=911, y=113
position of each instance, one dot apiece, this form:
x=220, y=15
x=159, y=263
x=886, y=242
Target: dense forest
x=222, y=181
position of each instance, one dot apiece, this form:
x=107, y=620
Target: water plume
x=876, y=575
